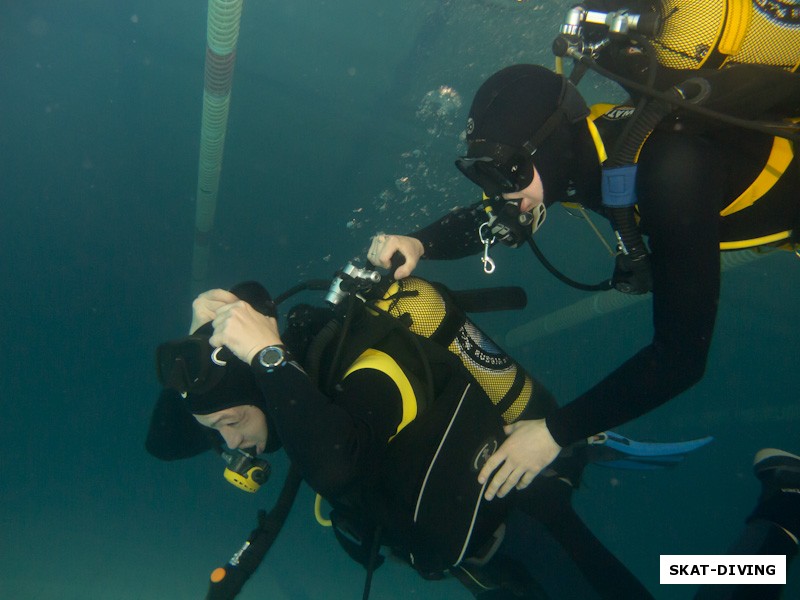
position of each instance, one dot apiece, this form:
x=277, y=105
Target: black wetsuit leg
x=547, y=502
x=759, y=537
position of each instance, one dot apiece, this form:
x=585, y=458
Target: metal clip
x=488, y=263
x=216, y=359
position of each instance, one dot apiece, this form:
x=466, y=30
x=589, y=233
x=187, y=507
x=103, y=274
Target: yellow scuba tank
x=734, y=61
x=715, y=33
x=433, y=314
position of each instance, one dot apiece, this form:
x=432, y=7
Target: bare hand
x=206, y=305
x=243, y=330
x=384, y=246
x=528, y=449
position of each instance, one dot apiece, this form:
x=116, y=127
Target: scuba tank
x=744, y=53
x=671, y=61
x=718, y=33
x=432, y=311
x=688, y=36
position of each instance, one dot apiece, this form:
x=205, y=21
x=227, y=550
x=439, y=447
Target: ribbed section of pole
x=602, y=303
x=222, y=36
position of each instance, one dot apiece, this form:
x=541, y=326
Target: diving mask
x=497, y=168
x=191, y=364
x=502, y=168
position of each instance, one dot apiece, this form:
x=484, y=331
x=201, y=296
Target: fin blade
x=635, y=448
x=611, y=449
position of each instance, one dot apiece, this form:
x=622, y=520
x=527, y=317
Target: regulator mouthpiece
x=246, y=472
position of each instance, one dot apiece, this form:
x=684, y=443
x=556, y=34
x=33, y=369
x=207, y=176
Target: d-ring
x=216, y=359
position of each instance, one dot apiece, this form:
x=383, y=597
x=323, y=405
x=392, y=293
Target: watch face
x=271, y=356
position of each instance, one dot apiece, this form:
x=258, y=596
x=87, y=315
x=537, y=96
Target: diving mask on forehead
x=191, y=364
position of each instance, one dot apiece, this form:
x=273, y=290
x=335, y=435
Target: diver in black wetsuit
x=342, y=441
x=698, y=188
x=357, y=437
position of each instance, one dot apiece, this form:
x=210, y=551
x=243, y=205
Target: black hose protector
x=624, y=222
x=623, y=219
x=644, y=122
x=259, y=542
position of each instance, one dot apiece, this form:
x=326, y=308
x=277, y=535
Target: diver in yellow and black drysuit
x=700, y=186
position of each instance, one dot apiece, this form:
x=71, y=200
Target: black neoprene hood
x=513, y=104
x=511, y=107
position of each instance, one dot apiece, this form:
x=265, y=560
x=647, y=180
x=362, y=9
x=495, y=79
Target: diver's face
x=531, y=196
x=240, y=426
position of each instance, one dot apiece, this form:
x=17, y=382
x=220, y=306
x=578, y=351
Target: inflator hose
x=227, y=581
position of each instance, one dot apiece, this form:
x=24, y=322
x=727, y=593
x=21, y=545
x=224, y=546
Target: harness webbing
x=380, y=361
x=780, y=157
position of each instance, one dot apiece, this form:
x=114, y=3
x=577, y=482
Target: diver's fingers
x=412, y=250
x=526, y=479
x=406, y=268
x=374, y=252
x=219, y=295
x=386, y=246
x=383, y=248
x=205, y=306
x=233, y=321
x=243, y=330
x=494, y=461
x=211, y=301
x=511, y=482
x=498, y=480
